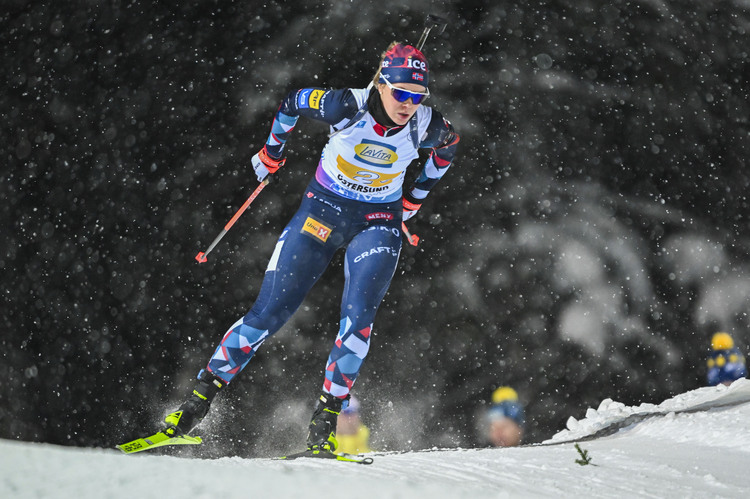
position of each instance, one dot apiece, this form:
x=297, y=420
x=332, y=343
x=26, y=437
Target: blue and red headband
x=405, y=64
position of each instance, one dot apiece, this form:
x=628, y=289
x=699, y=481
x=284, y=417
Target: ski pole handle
x=412, y=238
x=202, y=256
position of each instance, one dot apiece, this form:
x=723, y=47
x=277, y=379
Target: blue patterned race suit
x=324, y=223
x=353, y=202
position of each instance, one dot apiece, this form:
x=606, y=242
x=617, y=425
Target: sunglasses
x=402, y=95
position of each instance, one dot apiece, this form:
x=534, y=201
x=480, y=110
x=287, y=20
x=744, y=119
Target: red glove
x=263, y=164
x=410, y=209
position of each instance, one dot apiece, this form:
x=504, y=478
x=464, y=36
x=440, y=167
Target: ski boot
x=322, y=434
x=195, y=408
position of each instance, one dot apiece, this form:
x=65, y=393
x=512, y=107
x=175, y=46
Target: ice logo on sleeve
x=375, y=153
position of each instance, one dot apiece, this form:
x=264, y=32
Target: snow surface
x=694, y=445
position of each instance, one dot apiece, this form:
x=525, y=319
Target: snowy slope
x=694, y=445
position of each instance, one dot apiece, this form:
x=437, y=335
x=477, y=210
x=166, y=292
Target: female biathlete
x=356, y=202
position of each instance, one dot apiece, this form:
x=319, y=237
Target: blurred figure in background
x=725, y=362
x=504, y=420
x=352, y=435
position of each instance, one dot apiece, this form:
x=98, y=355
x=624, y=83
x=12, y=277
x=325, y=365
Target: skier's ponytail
x=376, y=78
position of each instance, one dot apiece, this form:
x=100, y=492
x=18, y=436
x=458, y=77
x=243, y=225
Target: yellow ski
x=159, y=439
x=325, y=454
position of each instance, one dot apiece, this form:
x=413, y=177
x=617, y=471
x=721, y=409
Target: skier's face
x=399, y=112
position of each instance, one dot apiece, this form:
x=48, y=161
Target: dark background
x=590, y=237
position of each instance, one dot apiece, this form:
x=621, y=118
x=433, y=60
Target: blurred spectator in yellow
x=504, y=420
x=352, y=435
x=725, y=362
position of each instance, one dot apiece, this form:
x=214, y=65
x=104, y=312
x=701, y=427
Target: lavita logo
x=375, y=153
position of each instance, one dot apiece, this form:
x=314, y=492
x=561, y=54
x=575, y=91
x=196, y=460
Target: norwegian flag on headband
x=405, y=64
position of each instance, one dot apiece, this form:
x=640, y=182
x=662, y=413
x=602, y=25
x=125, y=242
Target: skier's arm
x=329, y=106
x=442, y=139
